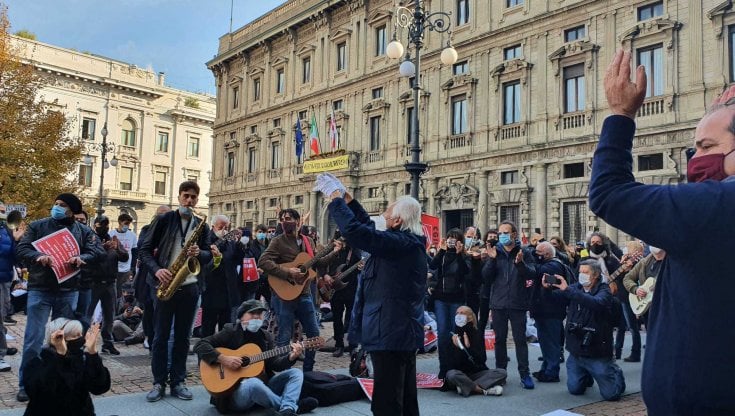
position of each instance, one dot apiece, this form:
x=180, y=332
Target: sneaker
x=459, y=390
x=110, y=349
x=307, y=404
x=146, y=345
x=545, y=378
x=156, y=394
x=22, y=396
x=338, y=352
x=181, y=392
x=287, y=412
x=9, y=337
x=493, y=391
x=4, y=366
x=11, y=351
x=527, y=382
x=8, y=321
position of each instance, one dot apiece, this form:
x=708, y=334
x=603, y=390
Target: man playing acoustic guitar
x=273, y=391
x=282, y=250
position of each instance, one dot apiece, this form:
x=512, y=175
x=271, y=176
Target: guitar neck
x=318, y=256
x=621, y=270
x=270, y=354
x=352, y=268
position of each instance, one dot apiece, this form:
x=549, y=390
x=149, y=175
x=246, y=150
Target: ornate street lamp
x=418, y=21
x=105, y=148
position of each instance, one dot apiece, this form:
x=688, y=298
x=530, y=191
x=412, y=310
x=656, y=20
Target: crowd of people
x=387, y=285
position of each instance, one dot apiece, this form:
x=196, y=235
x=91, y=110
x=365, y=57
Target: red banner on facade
x=431, y=229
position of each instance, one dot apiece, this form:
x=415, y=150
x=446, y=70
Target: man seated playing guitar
x=272, y=391
x=284, y=249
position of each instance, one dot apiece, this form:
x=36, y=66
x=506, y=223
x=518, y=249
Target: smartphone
x=451, y=242
x=550, y=279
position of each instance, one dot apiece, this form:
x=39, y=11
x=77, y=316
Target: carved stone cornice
x=581, y=47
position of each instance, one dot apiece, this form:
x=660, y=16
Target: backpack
x=360, y=364
x=330, y=389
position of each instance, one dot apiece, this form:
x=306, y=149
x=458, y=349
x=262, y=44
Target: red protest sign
x=429, y=339
x=489, y=339
x=367, y=386
x=249, y=270
x=61, y=246
x=428, y=381
x=430, y=224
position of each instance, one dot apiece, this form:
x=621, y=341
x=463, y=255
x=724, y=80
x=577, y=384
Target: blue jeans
x=604, y=371
x=40, y=305
x=445, y=312
x=282, y=392
x=82, y=312
x=549, y=337
x=301, y=308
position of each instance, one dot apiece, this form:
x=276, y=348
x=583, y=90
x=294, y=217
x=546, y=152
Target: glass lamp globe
x=449, y=56
x=87, y=159
x=407, y=69
x=394, y=49
x=113, y=162
x=106, y=164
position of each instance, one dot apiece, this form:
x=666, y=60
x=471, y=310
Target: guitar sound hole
x=303, y=269
x=245, y=361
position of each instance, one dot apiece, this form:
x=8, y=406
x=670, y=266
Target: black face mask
x=597, y=248
x=493, y=242
x=129, y=299
x=75, y=346
x=102, y=231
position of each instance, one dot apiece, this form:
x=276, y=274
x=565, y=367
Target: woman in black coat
x=60, y=379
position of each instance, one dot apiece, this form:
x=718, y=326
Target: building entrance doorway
x=457, y=218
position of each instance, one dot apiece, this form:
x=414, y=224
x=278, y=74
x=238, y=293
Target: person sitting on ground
x=59, y=380
x=275, y=391
x=128, y=323
x=468, y=373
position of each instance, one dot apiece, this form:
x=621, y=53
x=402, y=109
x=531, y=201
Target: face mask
x=245, y=240
x=252, y=325
x=3, y=216
x=260, y=236
x=185, y=211
x=58, y=212
x=505, y=239
x=220, y=233
x=102, y=230
x=654, y=250
x=289, y=227
x=584, y=279
x=124, y=228
x=597, y=248
x=705, y=167
x=493, y=242
x=75, y=345
x=460, y=320
x=432, y=252
x=469, y=242
x=129, y=298
x=380, y=224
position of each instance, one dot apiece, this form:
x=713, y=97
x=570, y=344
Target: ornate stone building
x=161, y=135
x=508, y=131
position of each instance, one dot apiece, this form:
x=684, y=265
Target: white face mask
x=380, y=224
x=460, y=320
x=584, y=279
x=252, y=325
x=654, y=250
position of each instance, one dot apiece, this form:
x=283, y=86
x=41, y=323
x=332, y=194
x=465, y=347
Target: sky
x=173, y=36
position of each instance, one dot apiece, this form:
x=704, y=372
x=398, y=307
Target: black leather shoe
x=132, y=340
x=22, y=396
x=11, y=351
x=156, y=394
x=307, y=404
x=338, y=352
x=110, y=349
x=543, y=378
x=181, y=392
x=632, y=359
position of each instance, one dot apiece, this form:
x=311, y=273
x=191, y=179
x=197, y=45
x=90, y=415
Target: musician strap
x=307, y=245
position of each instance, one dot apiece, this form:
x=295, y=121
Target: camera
x=550, y=279
x=586, y=332
x=451, y=242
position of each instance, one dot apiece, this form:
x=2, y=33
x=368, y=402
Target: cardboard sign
x=198, y=318
x=489, y=340
x=249, y=270
x=367, y=386
x=430, y=224
x=61, y=246
x=17, y=207
x=428, y=381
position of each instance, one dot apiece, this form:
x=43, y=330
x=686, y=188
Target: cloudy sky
x=173, y=36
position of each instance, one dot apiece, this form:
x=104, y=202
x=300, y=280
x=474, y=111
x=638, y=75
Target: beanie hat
x=71, y=200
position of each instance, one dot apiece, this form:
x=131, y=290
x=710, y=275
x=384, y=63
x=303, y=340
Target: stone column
x=431, y=201
x=261, y=211
x=314, y=208
x=391, y=194
x=482, y=202
x=612, y=233
x=539, y=205
x=307, y=202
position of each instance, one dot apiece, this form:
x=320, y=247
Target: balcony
x=572, y=121
x=512, y=131
x=251, y=177
x=298, y=170
x=458, y=141
x=374, y=156
x=126, y=195
x=653, y=106
x=274, y=173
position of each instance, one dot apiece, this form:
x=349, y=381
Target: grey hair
x=409, y=210
x=222, y=217
x=548, y=247
x=71, y=327
x=594, y=266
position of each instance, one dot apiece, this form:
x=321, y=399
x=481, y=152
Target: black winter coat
x=453, y=274
x=224, y=287
x=508, y=280
x=459, y=359
x=591, y=309
x=104, y=272
x=545, y=304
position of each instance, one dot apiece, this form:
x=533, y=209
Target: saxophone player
x=170, y=235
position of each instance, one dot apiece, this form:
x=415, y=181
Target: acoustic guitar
x=327, y=291
x=289, y=289
x=220, y=380
x=624, y=268
x=641, y=305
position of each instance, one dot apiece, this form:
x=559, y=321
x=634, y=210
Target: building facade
x=160, y=136
x=508, y=131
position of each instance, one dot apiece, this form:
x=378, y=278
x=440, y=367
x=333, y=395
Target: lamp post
x=104, y=148
x=418, y=21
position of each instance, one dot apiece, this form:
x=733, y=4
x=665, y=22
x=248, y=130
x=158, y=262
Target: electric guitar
x=327, y=291
x=624, y=268
x=641, y=305
x=219, y=380
x=289, y=289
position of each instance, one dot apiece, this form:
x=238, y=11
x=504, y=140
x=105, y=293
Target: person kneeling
x=59, y=380
x=468, y=372
x=280, y=391
x=589, y=333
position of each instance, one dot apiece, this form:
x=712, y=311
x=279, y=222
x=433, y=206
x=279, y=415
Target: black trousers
x=394, y=392
x=214, y=317
x=105, y=295
x=482, y=316
x=517, y=320
x=341, y=306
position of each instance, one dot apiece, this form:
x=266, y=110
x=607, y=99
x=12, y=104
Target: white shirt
x=128, y=240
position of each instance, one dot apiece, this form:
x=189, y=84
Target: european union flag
x=299, y=141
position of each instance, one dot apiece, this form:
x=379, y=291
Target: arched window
x=128, y=133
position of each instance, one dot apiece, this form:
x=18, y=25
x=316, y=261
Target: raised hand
x=90, y=340
x=623, y=96
x=725, y=96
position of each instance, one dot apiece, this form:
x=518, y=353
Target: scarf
x=601, y=260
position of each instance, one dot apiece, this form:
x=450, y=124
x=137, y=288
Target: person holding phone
x=549, y=312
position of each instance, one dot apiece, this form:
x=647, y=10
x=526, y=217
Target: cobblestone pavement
x=130, y=372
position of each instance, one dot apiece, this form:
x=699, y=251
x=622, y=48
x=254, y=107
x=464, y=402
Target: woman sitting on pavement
x=468, y=372
x=59, y=380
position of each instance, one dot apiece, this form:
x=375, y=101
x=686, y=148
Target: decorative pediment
x=375, y=105
x=459, y=81
x=339, y=34
x=651, y=27
x=305, y=50
x=255, y=71
x=279, y=61
x=717, y=15
x=253, y=138
x=515, y=68
x=573, y=49
x=231, y=143
x=235, y=80
x=356, y=5
x=339, y=115
x=276, y=131
x=457, y=196
x=378, y=16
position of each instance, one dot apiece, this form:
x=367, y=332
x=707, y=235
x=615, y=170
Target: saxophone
x=183, y=265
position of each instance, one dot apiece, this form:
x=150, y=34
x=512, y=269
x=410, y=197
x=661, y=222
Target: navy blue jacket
x=508, y=280
x=545, y=305
x=689, y=367
x=389, y=306
x=7, y=254
x=589, y=310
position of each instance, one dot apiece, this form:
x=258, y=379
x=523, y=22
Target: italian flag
x=314, y=136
